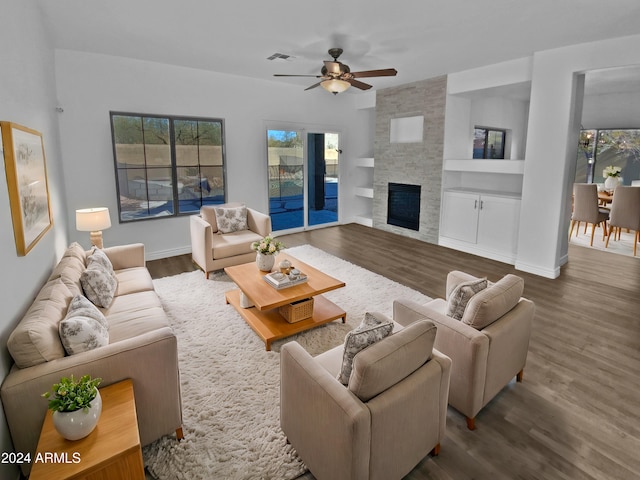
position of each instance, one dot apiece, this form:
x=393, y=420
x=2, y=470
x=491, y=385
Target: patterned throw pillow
x=231, y=219
x=83, y=328
x=98, y=256
x=98, y=284
x=460, y=296
x=370, y=331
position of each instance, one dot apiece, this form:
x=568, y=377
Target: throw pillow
x=98, y=284
x=83, y=328
x=231, y=219
x=461, y=295
x=359, y=339
x=98, y=256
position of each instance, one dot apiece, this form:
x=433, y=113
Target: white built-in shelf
x=509, y=167
x=364, y=162
x=485, y=191
x=366, y=192
x=365, y=220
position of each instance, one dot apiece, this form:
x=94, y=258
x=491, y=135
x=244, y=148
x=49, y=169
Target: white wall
x=90, y=85
x=552, y=147
x=27, y=97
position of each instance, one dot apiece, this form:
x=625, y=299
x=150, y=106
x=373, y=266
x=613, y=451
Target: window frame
x=487, y=132
x=175, y=198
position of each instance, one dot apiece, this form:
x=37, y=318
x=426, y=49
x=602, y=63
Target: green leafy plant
x=268, y=246
x=70, y=395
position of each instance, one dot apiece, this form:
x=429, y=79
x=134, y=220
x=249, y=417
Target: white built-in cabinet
x=481, y=223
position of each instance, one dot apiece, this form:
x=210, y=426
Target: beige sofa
x=141, y=346
x=488, y=346
x=212, y=250
x=384, y=422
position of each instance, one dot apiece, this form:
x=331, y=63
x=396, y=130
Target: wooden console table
x=111, y=451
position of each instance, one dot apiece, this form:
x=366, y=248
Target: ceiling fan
x=337, y=77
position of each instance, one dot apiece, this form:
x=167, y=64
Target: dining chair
x=586, y=209
x=625, y=213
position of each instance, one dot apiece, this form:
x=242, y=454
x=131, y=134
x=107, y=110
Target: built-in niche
x=406, y=129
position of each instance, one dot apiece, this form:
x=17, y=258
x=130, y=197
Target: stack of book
x=280, y=280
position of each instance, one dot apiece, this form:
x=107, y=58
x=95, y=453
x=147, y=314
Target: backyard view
x=148, y=182
x=287, y=182
x=598, y=149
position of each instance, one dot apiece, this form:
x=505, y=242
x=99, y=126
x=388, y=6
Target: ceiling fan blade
x=313, y=86
x=333, y=67
x=359, y=84
x=385, y=72
x=286, y=75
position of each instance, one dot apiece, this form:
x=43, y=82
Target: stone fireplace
x=410, y=162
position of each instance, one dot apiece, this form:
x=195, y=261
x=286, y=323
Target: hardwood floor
x=577, y=413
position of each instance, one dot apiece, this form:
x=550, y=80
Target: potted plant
x=266, y=249
x=76, y=406
x=611, y=176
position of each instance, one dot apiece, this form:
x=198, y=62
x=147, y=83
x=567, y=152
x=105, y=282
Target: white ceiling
x=420, y=38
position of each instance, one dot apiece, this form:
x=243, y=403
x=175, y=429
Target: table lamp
x=93, y=220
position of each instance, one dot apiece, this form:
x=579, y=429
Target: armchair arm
x=509, y=340
x=258, y=222
x=126, y=256
x=467, y=347
x=327, y=425
x=201, y=242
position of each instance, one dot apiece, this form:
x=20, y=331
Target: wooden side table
x=111, y=451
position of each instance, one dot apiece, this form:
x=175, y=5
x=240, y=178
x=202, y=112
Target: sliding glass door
x=303, y=178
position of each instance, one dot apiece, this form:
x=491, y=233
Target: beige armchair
x=212, y=250
x=390, y=416
x=483, y=359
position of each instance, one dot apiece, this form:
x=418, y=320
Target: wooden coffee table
x=264, y=317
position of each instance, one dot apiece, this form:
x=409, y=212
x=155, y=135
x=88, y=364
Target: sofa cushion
x=70, y=267
x=460, y=296
x=231, y=219
x=393, y=358
x=135, y=314
x=84, y=327
x=371, y=330
x=35, y=340
x=489, y=305
x=98, y=284
x=208, y=214
x=232, y=244
x=133, y=280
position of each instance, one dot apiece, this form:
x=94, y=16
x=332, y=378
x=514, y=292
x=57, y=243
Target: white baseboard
x=167, y=253
x=538, y=270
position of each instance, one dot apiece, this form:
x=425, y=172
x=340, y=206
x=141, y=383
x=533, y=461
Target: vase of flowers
x=76, y=406
x=266, y=249
x=611, y=176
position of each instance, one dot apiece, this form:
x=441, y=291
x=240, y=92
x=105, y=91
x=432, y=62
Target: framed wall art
x=27, y=184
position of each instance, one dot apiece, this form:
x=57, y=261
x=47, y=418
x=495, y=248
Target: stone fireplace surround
x=418, y=163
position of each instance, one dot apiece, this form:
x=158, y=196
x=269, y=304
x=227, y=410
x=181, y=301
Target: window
x=597, y=149
x=167, y=166
x=488, y=143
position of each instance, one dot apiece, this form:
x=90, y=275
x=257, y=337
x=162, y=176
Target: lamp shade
x=92, y=219
x=335, y=86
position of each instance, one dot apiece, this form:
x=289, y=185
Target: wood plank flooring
x=577, y=413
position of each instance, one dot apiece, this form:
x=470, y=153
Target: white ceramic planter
x=80, y=423
x=265, y=262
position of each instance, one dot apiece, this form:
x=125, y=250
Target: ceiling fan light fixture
x=335, y=86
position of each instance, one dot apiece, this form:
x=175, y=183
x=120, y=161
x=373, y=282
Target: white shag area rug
x=230, y=383
x=624, y=246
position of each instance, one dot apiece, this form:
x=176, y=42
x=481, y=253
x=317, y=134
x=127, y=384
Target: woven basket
x=296, y=311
